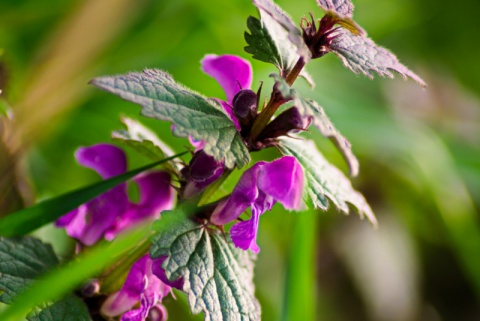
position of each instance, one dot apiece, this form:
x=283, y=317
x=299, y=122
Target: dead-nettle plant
x=202, y=245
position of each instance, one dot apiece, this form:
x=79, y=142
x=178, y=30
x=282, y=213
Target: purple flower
x=202, y=171
x=231, y=72
x=259, y=188
x=112, y=212
x=141, y=286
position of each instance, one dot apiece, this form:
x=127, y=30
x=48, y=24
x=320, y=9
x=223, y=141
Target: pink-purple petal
x=89, y=222
x=283, y=180
x=141, y=286
x=231, y=72
x=135, y=283
x=244, y=234
x=229, y=110
x=156, y=195
x=243, y=195
x=107, y=160
x=159, y=272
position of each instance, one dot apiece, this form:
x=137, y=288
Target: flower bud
x=288, y=121
x=245, y=104
x=202, y=171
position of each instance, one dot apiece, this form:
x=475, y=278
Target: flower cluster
x=259, y=188
x=113, y=212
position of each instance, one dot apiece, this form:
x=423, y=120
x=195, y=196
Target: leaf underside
x=309, y=108
x=217, y=276
x=143, y=140
x=342, y=7
x=362, y=55
x=192, y=114
x=324, y=181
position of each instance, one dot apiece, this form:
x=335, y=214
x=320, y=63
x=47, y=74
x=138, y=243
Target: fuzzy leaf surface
x=217, y=276
x=192, y=114
x=342, y=7
x=362, y=55
x=142, y=140
x=70, y=308
x=21, y=261
x=311, y=109
x=324, y=181
x=269, y=42
x=284, y=21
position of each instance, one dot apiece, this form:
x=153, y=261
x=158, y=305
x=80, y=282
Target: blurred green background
x=418, y=149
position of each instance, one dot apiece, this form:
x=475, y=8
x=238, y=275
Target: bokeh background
x=418, y=149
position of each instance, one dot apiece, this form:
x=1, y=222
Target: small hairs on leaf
x=192, y=114
x=323, y=180
x=362, y=55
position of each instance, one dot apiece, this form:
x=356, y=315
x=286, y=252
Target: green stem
x=210, y=190
x=114, y=280
x=275, y=102
x=297, y=69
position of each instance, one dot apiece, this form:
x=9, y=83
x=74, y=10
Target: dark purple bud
x=287, y=122
x=203, y=171
x=245, y=104
x=91, y=288
x=204, y=168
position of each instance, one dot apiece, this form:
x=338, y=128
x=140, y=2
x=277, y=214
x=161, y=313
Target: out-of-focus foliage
x=418, y=150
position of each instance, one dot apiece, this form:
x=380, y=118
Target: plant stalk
x=275, y=102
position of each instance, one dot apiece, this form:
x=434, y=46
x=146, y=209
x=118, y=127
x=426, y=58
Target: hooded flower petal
x=202, y=171
x=260, y=187
x=156, y=195
x=107, y=160
x=243, y=195
x=244, y=234
x=141, y=286
x=283, y=180
x=89, y=222
x=232, y=73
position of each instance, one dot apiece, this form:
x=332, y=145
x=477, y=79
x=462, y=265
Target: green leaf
x=343, y=7
x=217, y=276
x=59, y=281
x=280, y=19
x=70, y=308
x=29, y=219
x=142, y=140
x=362, y=55
x=341, y=12
x=311, y=109
x=269, y=42
x=192, y=114
x=21, y=261
x=324, y=181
